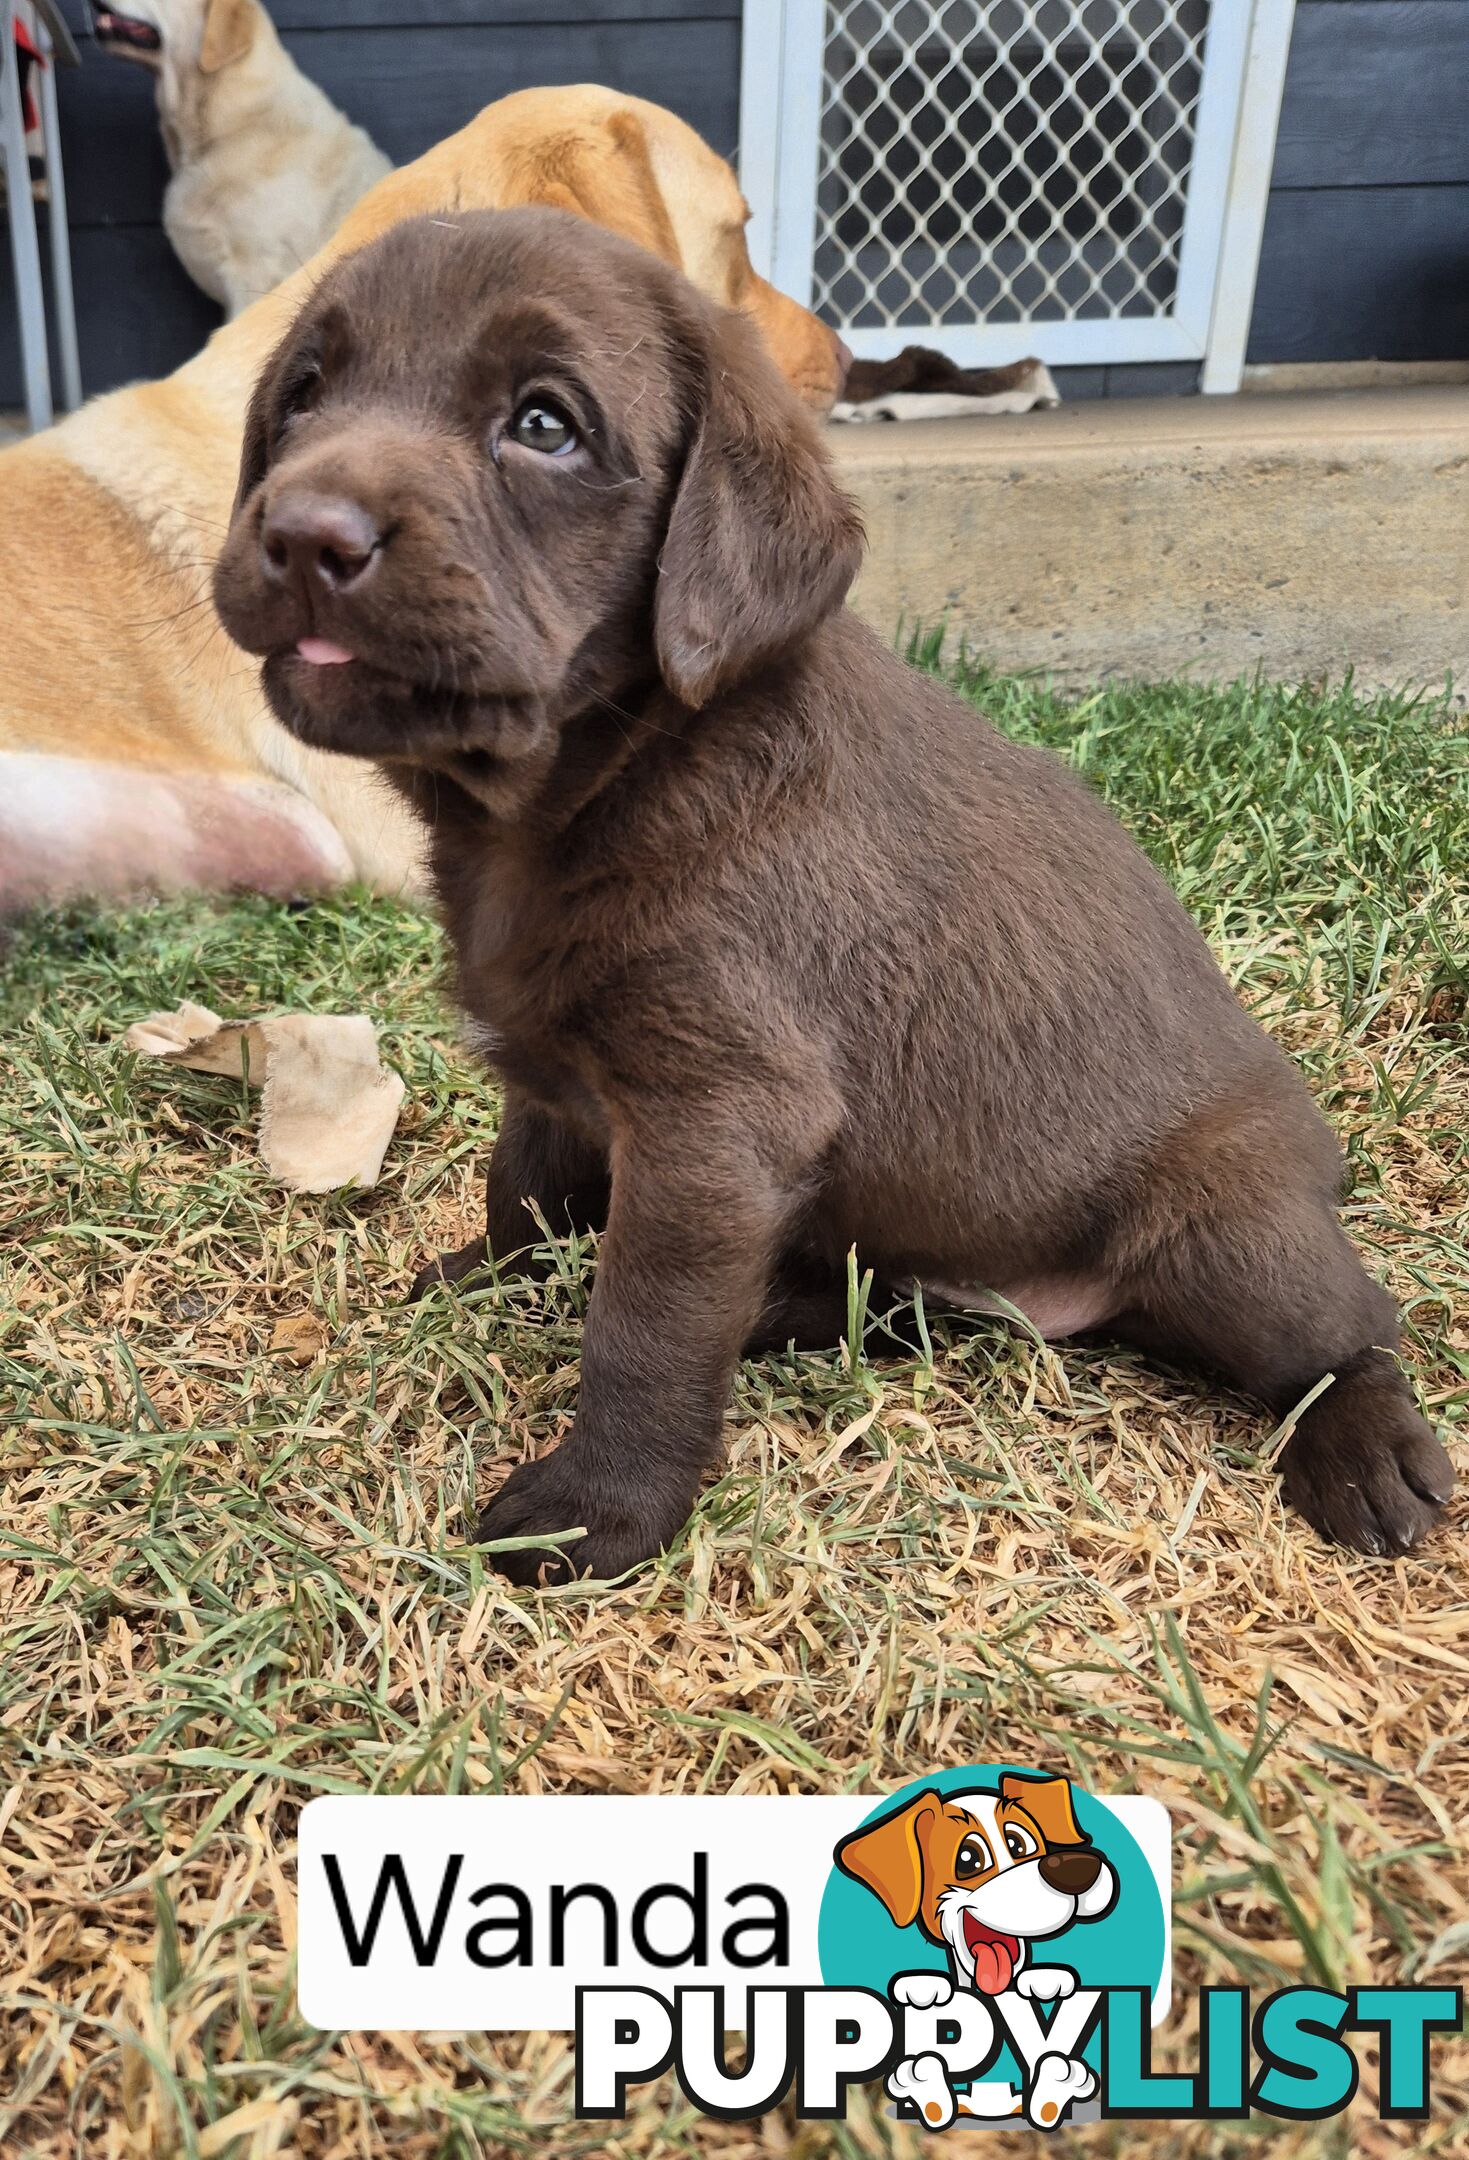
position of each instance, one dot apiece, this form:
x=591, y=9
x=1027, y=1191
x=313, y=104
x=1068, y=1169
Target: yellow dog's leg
x=74, y=828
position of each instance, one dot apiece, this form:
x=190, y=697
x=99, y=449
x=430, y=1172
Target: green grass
x=229, y=1580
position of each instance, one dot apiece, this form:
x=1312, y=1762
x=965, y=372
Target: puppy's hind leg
x=807, y=1308
x=1236, y=1261
x=535, y=1160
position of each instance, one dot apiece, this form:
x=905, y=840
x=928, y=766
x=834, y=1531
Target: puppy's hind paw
x=1060, y=2081
x=449, y=1267
x=922, y=2082
x=1365, y=1468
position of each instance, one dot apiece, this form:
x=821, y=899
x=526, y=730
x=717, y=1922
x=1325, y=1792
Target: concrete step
x=1146, y=537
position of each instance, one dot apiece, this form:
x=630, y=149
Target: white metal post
x=1211, y=160
x=1249, y=193
x=62, y=299
x=780, y=125
x=25, y=248
x=759, y=154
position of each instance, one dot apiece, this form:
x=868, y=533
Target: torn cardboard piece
x=328, y=1106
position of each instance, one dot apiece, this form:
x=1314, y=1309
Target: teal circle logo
x=862, y=1944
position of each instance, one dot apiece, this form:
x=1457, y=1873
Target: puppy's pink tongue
x=321, y=652
x=994, y=1968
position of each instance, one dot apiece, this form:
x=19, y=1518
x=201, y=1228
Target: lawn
x=233, y=1569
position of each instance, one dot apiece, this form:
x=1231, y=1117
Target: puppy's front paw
x=448, y=1267
x=922, y=1990
x=1046, y=1983
x=922, y=2083
x=1372, y=1474
x=541, y=1499
x=1060, y=2081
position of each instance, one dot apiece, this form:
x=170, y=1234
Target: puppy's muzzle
x=1072, y=1873
x=324, y=544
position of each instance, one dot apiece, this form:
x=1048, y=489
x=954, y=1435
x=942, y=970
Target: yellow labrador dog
x=136, y=751
x=264, y=166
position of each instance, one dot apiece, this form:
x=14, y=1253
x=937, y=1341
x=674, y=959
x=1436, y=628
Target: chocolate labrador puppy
x=778, y=947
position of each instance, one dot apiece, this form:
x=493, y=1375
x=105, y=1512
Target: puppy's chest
x=523, y=971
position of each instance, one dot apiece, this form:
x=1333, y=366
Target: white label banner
x=486, y=1913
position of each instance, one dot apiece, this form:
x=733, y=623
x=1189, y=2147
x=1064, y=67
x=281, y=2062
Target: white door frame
x=1229, y=181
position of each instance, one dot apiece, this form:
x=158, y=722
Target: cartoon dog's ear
x=887, y=1858
x=1048, y=1803
x=761, y=543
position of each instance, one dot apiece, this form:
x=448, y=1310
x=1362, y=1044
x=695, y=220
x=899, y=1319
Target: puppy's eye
x=301, y=393
x=1019, y=1843
x=542, y=424
x=973, y=1857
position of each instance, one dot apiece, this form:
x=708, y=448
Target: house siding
x=1366, y=243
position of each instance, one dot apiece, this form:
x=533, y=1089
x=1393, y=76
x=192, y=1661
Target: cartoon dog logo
x=986, y=1873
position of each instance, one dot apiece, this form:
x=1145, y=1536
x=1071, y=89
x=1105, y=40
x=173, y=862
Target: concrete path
x=1298, y=534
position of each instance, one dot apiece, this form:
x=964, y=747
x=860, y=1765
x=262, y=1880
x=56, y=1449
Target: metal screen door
x=1085, y=178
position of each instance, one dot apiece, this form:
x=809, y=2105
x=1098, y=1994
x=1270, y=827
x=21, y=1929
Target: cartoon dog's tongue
x=995, y=1956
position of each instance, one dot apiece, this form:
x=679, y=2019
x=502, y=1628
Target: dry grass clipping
x=236, y=1475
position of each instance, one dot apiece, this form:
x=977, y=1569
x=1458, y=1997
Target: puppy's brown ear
x=288, y=382
x=762, y=543
x=229, y=32
x=1047, y=1801
x=887, y=1857
x=259, y=418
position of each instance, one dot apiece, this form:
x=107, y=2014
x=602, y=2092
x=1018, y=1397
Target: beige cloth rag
x=328, y=1106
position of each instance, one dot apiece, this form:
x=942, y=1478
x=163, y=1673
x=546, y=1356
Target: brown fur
x=780, y=949
x=920, y=368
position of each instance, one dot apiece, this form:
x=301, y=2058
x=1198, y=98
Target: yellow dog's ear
x=1048, y=1803
x=229, y=32
x=886, y=1857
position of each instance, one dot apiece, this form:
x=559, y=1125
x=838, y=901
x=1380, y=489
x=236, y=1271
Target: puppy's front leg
x=692, y=1238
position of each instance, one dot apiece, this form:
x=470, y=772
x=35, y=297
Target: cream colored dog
x=264, y=166
x=136, y=751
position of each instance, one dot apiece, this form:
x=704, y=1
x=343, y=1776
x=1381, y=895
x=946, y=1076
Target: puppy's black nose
x=319, y=540
x=1070, y=1872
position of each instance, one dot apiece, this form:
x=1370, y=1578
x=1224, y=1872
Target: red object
x=30, y=56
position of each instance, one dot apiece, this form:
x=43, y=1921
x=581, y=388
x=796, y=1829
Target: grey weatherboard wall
x=1366, y=245
x=410, y=71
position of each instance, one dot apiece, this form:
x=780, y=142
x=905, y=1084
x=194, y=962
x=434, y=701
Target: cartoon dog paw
x=922, y=2081
x=1046, y=1983
x=922, y=1990
x=1060, y=2080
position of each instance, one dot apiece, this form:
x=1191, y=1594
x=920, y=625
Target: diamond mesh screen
x=1004, y=160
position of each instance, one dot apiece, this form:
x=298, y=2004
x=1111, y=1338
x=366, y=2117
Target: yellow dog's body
x=135, y=748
